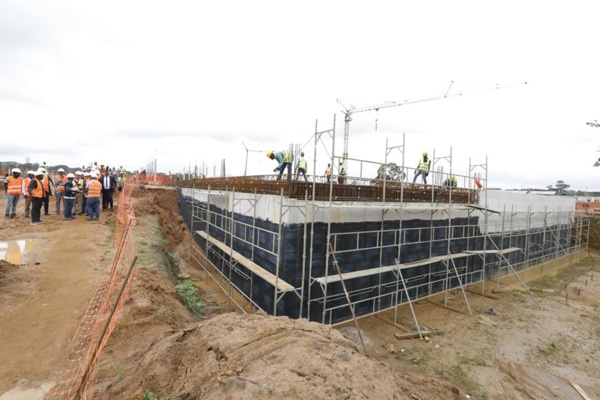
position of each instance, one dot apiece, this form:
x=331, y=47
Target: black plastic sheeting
x=414, y=248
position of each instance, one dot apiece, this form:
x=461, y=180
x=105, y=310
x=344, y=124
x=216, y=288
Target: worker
x=342, y=174
x=37, y=193
x=108, y=188
x=284, y=158
x=328, y=173
x=48, y=189
x=120, y=182
x=25, y=192
x=450, y=182
x=93, y=189
x=423, y=168
x=78, y=206
x=59, y=188
x=14, y=187
x=70, y=193
x=301, y=167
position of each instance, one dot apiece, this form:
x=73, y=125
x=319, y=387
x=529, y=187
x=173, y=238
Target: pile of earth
x=237, y=356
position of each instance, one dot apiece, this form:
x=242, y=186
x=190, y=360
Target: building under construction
x=308, y=249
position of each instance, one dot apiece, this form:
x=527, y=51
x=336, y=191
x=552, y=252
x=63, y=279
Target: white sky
x=120, y=82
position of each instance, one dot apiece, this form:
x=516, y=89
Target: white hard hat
x=94, y=175
x=70, y=175
x=42, y=169
x=30, y=172
x=78, y=173
x=61, y=170
x=86, y=174
x=16, y=170
x=39, y=172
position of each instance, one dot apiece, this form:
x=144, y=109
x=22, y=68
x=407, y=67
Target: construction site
x=352, y=285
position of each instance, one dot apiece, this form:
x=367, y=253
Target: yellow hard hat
x=452, y=177
x=424, y=153
x=269, y=154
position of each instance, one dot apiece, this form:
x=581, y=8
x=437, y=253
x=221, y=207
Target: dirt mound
x=233, y=356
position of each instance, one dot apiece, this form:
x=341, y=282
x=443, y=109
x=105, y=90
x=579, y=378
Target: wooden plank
x=413, y=335
x=401, y=327
x=503, y=251
x=580, y=391
x=389, y=268
x=447, y=307
x=256, y=269
x=354, y=274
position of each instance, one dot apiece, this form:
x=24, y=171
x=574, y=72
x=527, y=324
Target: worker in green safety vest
x=301, y=167
x=423, y=168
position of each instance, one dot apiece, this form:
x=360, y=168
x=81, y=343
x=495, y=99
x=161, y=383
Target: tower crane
x=349, y=111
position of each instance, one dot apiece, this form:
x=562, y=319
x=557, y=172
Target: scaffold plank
x=256, y=269
x=503, y=251
x=379, y=270
x=354, y=274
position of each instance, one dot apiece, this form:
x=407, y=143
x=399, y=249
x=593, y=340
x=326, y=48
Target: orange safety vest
x=95, y=189
x=59, y=181
x=38, y=192
x=45, y=184
x=26, y=183
x=14, y=185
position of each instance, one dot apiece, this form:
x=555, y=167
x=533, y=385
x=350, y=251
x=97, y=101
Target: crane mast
x=349, y=111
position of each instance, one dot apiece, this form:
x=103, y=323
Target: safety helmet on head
x=86, y=174
x=269, y=154
x=42, y=169
x=70, y=175
x=30, y=172
x=39, y=172
x=16, y=170
x=79, y=173
x=94, y=175
x=425, y=153
x=452, y=177
x=61, y=170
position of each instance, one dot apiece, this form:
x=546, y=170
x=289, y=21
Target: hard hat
x=424, y=153
x=42, y=169
x=452, y=177
x=16, y=170
x=269, y=154
x=39, y=172
x=86, y=174
x=61, y=170
x=94, y=175
x=70, y=175
x=78, y=173
x=30, y=172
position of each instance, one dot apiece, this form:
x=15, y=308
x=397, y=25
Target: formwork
x=270, y=243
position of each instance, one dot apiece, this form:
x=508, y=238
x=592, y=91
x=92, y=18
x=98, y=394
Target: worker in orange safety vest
x=14, y=189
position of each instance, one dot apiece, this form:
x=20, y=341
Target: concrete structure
x=278, y=253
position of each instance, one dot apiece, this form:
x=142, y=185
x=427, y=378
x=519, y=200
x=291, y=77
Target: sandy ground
x=512, y=347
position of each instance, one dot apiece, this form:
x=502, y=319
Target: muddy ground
x=513, y=346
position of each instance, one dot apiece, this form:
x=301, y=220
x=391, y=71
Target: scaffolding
x=270, y=244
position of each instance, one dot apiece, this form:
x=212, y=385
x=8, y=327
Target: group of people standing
x=77, y=193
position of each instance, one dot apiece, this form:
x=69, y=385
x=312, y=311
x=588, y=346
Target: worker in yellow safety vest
x=301, y=168
x=284, y=159
x=423, y=168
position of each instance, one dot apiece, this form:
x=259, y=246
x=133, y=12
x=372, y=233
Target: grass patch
x=118, y=369
x=459, y=377
x=476, y=360
x=188, y=293
x=563, y=277
x=148, y=395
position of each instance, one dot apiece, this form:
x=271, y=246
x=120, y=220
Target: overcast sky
x=122, y=82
